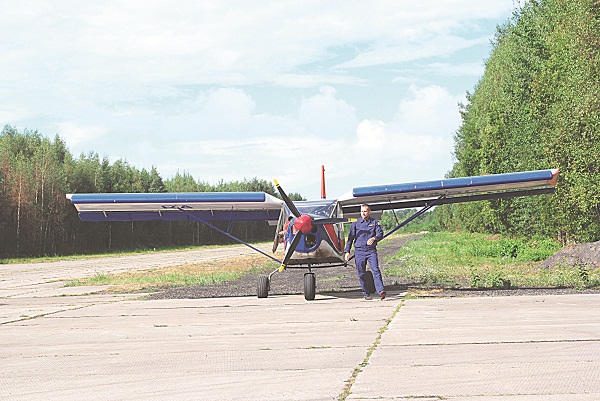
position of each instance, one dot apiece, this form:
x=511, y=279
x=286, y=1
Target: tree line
x=36, y=219
x=537, y=106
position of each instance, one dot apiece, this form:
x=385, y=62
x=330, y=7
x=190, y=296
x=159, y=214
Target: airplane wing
x=253, y=206
x=208, y=206
x=454, y=190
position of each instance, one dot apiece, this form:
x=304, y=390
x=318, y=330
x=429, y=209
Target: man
x=365, y=233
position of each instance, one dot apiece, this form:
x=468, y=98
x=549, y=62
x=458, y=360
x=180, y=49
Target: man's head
x=365, y=211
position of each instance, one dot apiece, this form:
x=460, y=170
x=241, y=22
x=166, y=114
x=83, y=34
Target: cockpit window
x=322, y=208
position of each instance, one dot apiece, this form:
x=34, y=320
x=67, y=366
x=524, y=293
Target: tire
x=262, y=289
x=369, y=282
x=310, y=286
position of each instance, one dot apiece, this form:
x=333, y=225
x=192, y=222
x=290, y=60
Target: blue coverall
x=360, y=232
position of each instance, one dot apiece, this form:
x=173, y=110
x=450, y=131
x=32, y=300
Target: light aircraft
x=315, y=236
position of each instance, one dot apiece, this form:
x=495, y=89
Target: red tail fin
x=323, y=196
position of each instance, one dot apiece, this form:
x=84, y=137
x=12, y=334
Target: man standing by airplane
x=365, y=233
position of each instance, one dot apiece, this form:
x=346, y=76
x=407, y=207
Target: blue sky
x=236, y=89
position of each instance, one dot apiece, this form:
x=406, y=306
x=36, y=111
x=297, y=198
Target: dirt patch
x=582, y=255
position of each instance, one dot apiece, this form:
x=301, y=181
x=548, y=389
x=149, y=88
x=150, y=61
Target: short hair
x=365, y=205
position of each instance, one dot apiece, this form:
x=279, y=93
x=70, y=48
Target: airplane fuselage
x=323, y=244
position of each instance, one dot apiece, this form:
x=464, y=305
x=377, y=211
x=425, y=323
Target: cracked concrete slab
x=75, y=343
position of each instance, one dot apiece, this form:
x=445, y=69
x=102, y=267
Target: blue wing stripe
x=170, y=197
x=452, y=183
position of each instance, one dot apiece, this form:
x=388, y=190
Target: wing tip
x=554, y=178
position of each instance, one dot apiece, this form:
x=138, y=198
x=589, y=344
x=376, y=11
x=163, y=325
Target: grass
x=196, y=274
x=484, y=261
x=455, y=260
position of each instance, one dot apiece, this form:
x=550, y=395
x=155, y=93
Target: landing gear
x=262, y=289
x=310, y=286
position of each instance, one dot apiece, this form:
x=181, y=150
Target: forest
x=36, y=219
x=537, y=106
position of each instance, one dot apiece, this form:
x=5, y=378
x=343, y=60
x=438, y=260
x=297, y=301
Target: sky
x=232, y=90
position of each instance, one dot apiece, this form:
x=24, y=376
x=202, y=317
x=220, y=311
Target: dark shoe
x=368, y=298
x=382, y=294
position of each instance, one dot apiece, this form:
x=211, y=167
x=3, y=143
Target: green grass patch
x=484, y=261
x=201, y=274
x=156, y=279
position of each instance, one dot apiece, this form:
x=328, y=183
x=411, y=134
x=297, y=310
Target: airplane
x=314, y=237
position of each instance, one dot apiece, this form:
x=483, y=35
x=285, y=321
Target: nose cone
x=303, y=223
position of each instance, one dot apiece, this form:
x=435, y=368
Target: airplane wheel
x=369, y=282
x=310, y=286
x=262, y=289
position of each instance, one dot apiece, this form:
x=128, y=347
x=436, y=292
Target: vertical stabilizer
x=323, y=195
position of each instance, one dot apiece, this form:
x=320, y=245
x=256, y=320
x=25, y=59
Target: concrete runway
x=62, y=343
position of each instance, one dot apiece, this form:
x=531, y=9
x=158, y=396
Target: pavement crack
x=28, y=317
x=558, y=341
x=347, y=390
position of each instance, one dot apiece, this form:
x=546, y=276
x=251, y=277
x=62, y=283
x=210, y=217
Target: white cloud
x=371, y=136
x=429, y=109
x=326, y=115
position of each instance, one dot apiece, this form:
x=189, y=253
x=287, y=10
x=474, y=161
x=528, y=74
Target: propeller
x=303, y=223
x=290, y=250
x=287, y=200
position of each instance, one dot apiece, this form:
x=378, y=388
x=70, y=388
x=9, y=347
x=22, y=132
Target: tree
x=537, y=106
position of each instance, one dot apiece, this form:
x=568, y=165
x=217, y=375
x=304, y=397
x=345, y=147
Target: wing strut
x=231, y=216
x=414, y=216
x=198, y=219
x=428, y=206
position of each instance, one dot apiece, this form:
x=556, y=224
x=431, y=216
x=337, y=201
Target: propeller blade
x=332, y=220
x=290, y=250
x=287, y=200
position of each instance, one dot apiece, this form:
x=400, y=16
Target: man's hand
x=347, y=256
x=370, y=241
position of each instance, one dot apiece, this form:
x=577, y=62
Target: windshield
x=322, y=208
